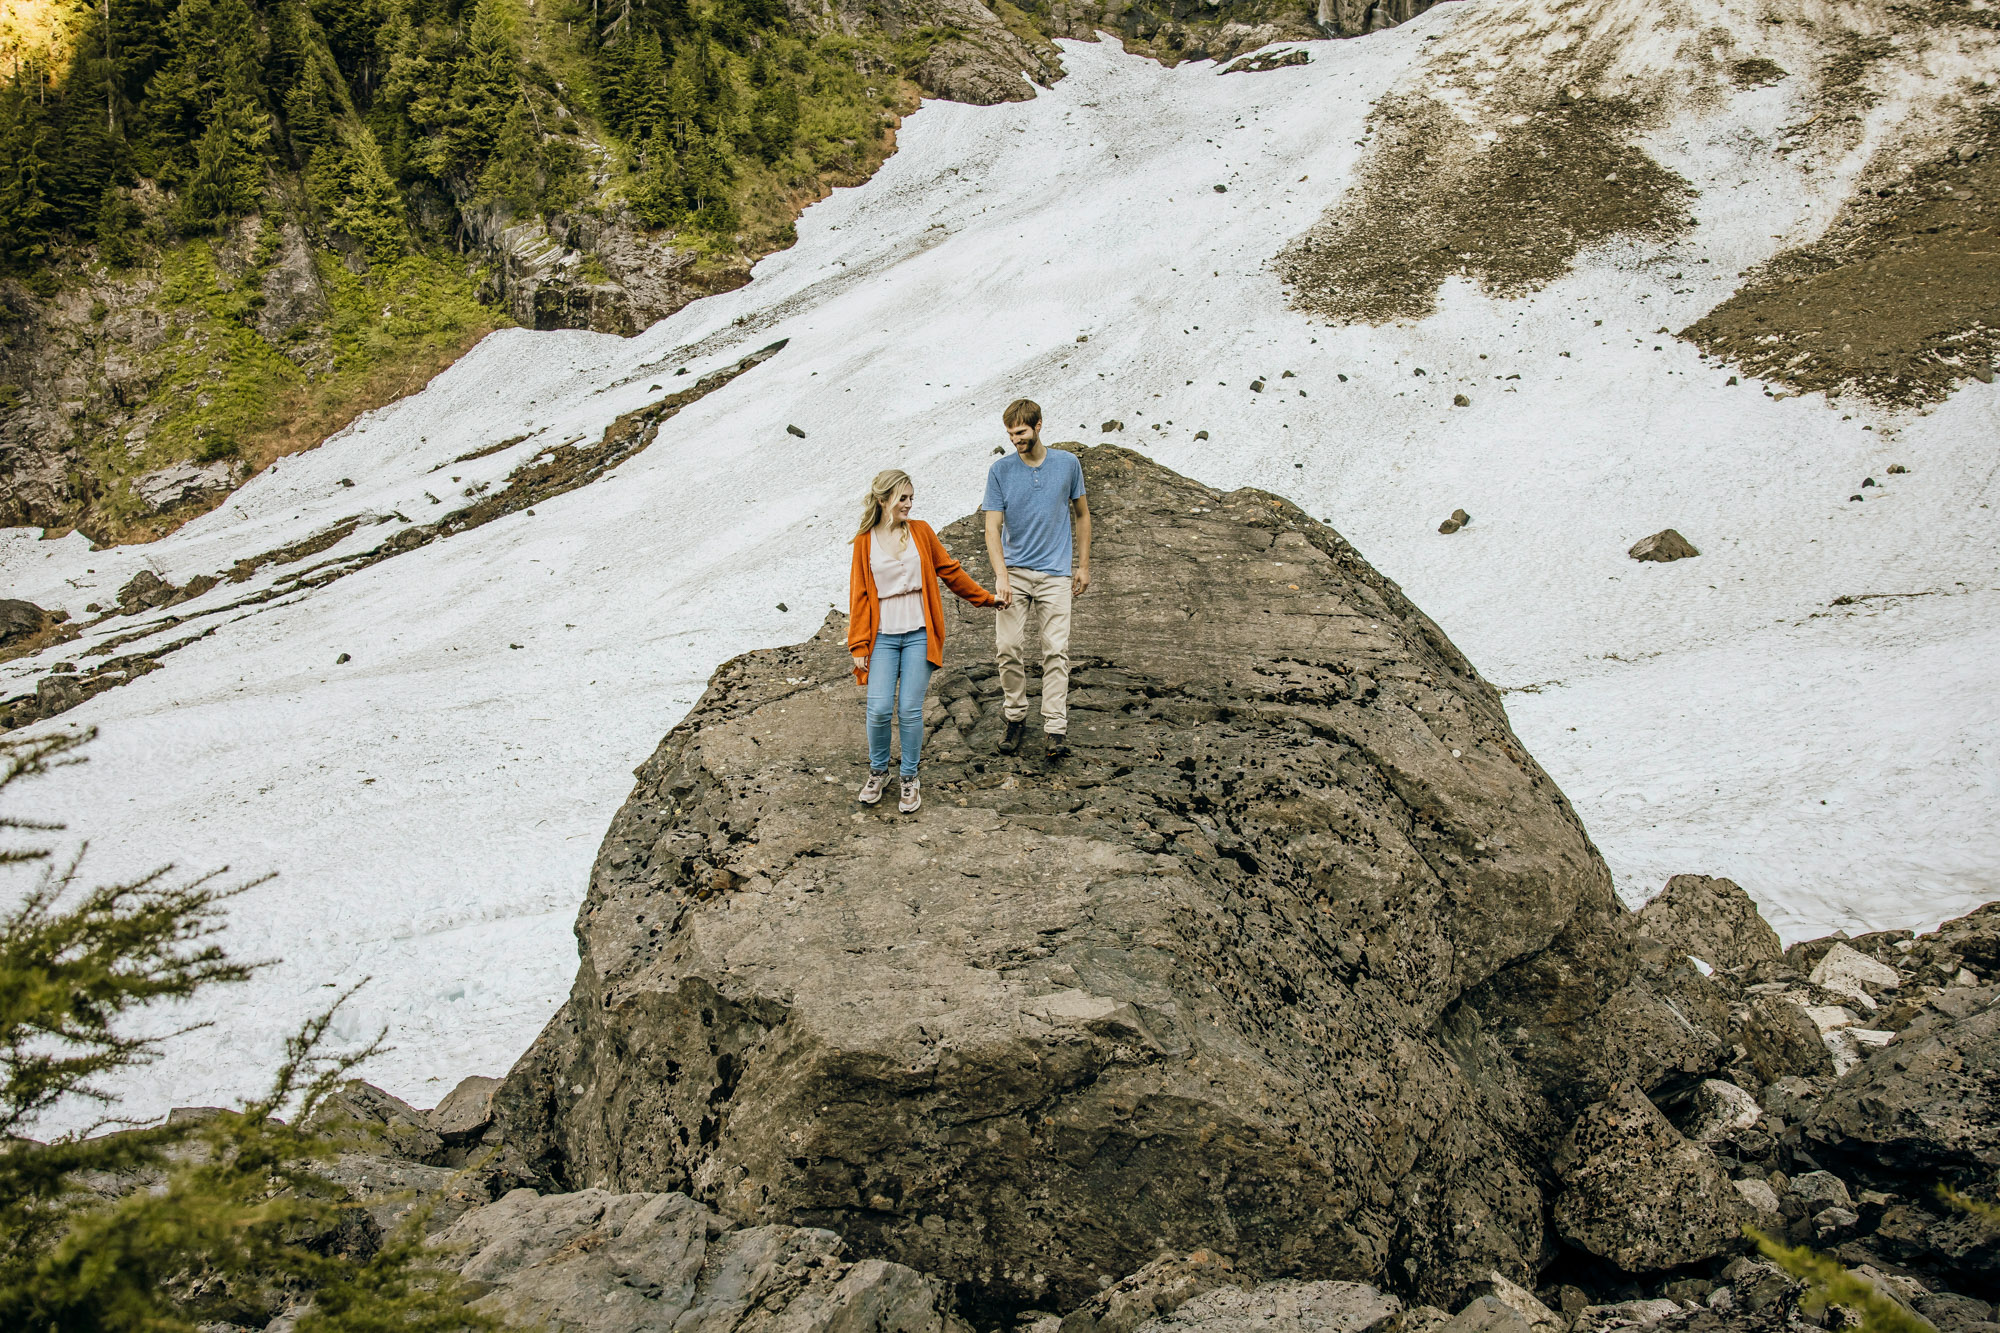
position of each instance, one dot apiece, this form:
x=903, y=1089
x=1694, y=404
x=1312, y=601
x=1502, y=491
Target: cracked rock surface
x=1300, y=956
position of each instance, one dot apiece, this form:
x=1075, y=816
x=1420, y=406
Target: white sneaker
x=911, y=797
x=871, y=790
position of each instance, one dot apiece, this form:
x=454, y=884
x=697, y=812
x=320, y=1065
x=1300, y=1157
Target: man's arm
x=1003, y=589
x=1079, y=509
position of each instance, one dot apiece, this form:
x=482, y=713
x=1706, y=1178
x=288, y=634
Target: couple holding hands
x=895, y=623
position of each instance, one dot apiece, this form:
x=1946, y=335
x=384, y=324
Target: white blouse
x=899, y=585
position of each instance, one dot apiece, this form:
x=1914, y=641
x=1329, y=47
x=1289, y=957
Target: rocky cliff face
x=1220, y=29
x=1300, y=955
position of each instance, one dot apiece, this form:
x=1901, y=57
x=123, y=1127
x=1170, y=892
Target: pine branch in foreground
x=170, y=1226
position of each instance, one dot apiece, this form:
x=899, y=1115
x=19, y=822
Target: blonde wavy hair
x=877, y=499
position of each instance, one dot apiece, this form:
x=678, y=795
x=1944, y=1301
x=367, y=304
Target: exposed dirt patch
x=1756, y=72
x=1899, y=300
x=1510, y=211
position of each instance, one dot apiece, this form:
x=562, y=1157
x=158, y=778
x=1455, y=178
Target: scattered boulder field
x=1297, y=998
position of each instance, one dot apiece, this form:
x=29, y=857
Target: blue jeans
x=898, y=674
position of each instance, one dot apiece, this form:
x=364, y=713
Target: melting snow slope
x=433, y=805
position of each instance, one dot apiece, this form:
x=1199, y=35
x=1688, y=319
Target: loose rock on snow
x=1662, y=546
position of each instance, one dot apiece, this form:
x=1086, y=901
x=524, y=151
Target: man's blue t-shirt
x=1035, y=501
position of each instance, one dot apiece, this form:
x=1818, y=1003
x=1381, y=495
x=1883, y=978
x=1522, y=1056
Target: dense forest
x=376, y=104
x=229, y=226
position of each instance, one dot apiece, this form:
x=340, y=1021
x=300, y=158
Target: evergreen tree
x=26, y=214
x=683, y=118
x=228, y=175
x=368, y=207
x=510, y=178
x=309, y=111
x=486, y=85
x=141, y=41
x=612, y=67
x=655, y=190
x=116, y=225
x=644, y=99
x=704, y=186
x=774, y=119
x=87, y=157
x=214, y=58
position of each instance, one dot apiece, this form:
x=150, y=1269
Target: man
x=1031, y=496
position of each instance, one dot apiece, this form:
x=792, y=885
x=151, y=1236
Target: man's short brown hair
x=1022, y=412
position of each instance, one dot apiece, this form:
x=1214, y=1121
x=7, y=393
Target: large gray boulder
x=1710, y=919
x=1639, y=1195
x=661, y=1263
x=1300, y=957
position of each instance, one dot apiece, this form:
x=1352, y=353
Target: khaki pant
x=1050, y=593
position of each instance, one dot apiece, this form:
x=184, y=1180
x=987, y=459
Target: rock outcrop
x=641, y=1263
x=1221, y=29
x=1300, y=957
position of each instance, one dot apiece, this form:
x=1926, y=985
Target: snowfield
x=433, y=805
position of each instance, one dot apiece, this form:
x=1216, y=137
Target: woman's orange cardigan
x=864, y=612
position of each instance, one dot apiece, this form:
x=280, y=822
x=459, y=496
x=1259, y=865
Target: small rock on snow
x=1664, y=545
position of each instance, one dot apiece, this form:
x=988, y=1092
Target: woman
x=895, y=624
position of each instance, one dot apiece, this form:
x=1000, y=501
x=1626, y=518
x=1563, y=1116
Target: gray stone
x=1845, y=971
x=1639, y=1195
x=293, y=295
x=1627, y=1314
x=1951, y=1311
x=1721, y=1108
x=1710, y=919
x=182, y=482
x=391, y=1189
x=1417, y=1319
x=1538, y=1317
x=1782, y=1042
x=661, y=1263
x=466, y=1110
x=1898, y=1290
x=382, y=1118
x=1283, y=1307
x=1300, y=950
x=1159, y=1288
x=20, y=620
x=1923, y=1107
x=1488, y=1314
x=1762, y=1202
x=1820, y=1189
x=1662, y=546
